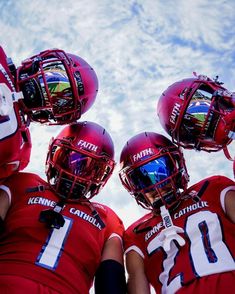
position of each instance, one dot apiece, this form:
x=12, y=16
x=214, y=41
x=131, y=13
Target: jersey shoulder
x=217, y=182
x=140, y=225
x=22, y=182
x=113, y=223
x=23, y=178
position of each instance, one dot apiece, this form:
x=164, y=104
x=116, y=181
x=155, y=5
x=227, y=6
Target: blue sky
x=137, y=49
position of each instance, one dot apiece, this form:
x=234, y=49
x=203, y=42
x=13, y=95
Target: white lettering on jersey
x=2, y=69
x=189, y=208
x=87, y=145
x=85, y=216
x=142, y=154
x=8, y=125
x=153, y=231
x=41, y=201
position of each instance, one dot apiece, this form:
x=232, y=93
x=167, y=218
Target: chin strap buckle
x=53, y=217
x=171, y=232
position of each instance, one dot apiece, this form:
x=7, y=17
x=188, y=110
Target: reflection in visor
x=199, y=105
x=152, y=173
x=198, y=110
x=78, y=164
x=59, y=87
x=202, y=95
x=197, y=115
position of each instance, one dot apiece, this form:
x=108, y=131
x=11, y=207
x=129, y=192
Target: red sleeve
x=131, y=238
x=113, y=224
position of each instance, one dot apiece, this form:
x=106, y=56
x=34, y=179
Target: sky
x=137, y=48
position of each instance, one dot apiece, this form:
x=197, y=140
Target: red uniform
x=206, y=262
x=15, y=143
x=64, y=259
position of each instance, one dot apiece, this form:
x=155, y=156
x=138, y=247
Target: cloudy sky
x=137, y=48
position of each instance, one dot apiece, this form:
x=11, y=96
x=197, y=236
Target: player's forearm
x=4, y=201
x=138, y=285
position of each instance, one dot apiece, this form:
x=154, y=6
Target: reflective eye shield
x=151, y=173
x=199, y=118
x=79, y=162
x=53, y=87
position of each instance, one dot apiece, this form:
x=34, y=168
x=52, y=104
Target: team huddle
x=55, y=239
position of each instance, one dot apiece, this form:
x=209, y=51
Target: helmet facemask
x=50, y=88
x=155, y=182
x=201, y=123
x=76, y=174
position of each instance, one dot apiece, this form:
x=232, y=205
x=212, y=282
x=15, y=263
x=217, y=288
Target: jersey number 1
x=53, y=248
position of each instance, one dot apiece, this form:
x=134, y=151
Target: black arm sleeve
x=1, y=225
x=110, y=278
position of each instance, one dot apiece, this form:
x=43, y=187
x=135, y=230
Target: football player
x=58, y=87
x=55, y=240
x=186, y=243
x=198, y=113
x=15, y=141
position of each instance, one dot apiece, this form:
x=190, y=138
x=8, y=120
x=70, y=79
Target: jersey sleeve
x=17, y=184
x=7, y=190
x=114, y=224
x=226, y=185
x=216, y=190
x=131, y=240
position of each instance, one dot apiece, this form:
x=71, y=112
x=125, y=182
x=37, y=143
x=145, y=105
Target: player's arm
x=230, y=204
x=4, y=203
x=137, y=281
x=110, y=276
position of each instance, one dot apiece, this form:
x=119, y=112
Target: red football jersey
x=206, y=261
x=15, y=142
x=64, y=259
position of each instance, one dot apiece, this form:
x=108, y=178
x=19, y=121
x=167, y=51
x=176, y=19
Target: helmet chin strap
x=171, y=232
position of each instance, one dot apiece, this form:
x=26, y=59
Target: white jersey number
x=208, y=252
x=53, y=248
x=9, y=125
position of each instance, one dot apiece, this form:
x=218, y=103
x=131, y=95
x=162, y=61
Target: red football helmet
x=15, y=141
x=152, y=163
x=80, y=160
x=198, y=113
x=58, y=87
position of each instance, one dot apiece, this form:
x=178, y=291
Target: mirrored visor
x=79, y=164
x=152, y=173
x=197, y=115
x=59, y=92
